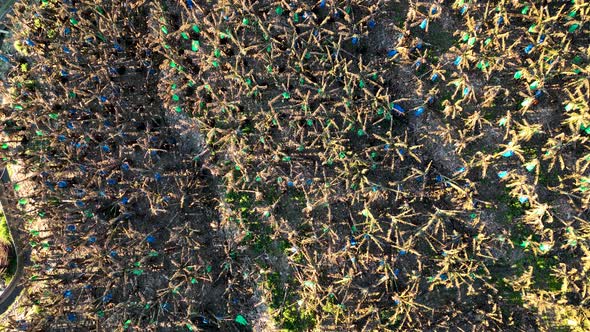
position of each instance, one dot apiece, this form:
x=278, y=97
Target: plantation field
x=331, y=165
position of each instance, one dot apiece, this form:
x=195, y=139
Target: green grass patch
x=261, y=239
x=5, y=237
x=284, y=304
x=4, y=231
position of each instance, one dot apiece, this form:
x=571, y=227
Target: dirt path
x=5, y=8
